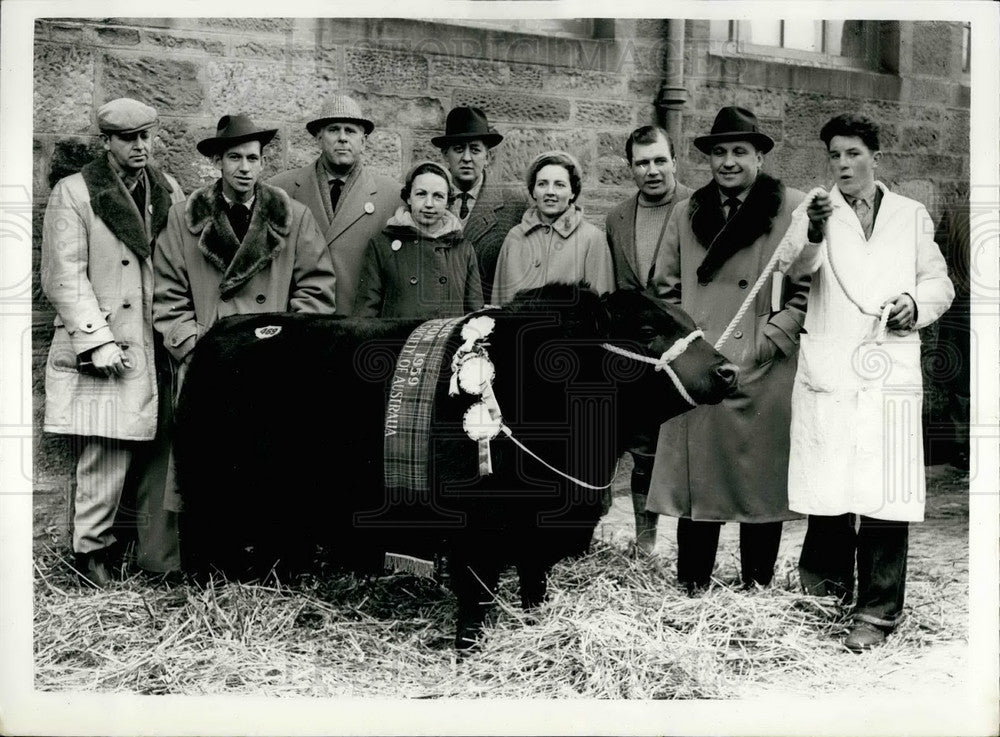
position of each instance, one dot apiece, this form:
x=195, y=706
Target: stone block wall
x=541, y=92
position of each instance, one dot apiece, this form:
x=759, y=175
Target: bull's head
x=691, y=372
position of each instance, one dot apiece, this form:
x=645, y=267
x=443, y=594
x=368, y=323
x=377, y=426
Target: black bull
x=279, y=441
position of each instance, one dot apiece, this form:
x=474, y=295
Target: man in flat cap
x=107, y=379
x=729, y=462
x=487, y=213
x=237, y=246
x=350, y=202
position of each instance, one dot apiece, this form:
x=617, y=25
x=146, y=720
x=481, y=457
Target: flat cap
x=125, y=115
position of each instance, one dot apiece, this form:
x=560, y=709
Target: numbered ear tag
x=479, y=424
x=475, y=374
x=267, y=331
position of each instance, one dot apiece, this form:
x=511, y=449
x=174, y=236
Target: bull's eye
x=647, y=333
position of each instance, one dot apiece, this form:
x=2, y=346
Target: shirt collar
x=346, y=179
x=868, y=196
x=248, y=204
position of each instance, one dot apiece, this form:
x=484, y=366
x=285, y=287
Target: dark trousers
x=698, y=542
x=827, y=564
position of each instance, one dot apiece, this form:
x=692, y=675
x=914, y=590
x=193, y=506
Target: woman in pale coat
x=856, y=441
x=553, y=243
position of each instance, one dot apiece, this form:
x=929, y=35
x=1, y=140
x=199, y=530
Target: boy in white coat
x=856, y=440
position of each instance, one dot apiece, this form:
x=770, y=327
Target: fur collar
x=270, y=222
x=752, y=220
x=113, y=204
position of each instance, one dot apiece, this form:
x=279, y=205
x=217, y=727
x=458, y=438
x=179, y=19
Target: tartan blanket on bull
x=411, y=401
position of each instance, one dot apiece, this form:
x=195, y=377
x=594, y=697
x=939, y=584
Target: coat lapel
x=483, y=217
x=352, y=205
x=626, y=221
x=270, y=223
x=307, y=192
x=112, y=203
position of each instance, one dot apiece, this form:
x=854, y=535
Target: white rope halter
x=663, y=362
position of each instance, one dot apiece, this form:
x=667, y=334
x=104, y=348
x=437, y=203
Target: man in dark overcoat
x=729, y=462
x=106, y=380
x=635, y=229
x=350, y=202
x=486, y=211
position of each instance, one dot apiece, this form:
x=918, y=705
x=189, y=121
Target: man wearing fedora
x=106, y=379
x=350, y=202
x=486, y=212
x=237, y=246
x=729, y=462
x=635, y=229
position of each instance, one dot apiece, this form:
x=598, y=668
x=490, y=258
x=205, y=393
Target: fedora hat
x=339, y=107
x=233, y=130
x=734, y=124
x=467, y=124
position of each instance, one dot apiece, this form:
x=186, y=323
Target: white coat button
x=738, y=334
x=396, y=245
x=369, y=208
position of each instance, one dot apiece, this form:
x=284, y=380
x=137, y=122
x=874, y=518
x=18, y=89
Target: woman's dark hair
x=557, y=158
x=427, y=167
x=851, y=125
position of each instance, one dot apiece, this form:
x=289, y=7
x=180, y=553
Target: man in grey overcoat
x=486, y=211
x=350, y=202
x=729, y=462
x=106, y=379
x=635, y=230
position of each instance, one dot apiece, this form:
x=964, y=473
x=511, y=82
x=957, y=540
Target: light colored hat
x=339, y=107
x=125, y=115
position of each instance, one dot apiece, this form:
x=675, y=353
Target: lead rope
x=883, y=317
x=490, y=418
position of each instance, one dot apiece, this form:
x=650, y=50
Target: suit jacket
x=364, y=209
x=620, y=226
x=491, y=219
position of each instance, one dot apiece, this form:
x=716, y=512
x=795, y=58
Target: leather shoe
x=91, y=566
x=863, y=636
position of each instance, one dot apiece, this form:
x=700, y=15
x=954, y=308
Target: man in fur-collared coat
x=350, y=202
x=729, y=462
x=237, y=246
x=106, y=376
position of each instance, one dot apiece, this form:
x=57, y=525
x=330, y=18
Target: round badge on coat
x=369, y=208
x=396, y=245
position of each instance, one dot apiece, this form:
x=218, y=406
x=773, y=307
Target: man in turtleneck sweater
x=635, y=229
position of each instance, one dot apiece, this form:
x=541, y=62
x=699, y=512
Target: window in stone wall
x=560, y=27
x=966, y=47
x=826, y=42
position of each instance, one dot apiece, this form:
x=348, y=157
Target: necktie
x=336, y=187
x=139, y=196
x=733, y=204
x=864, y=213
x=239, y=218
x=463, y=208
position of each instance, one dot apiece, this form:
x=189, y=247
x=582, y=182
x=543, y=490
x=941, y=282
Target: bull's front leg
x=532, y=575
